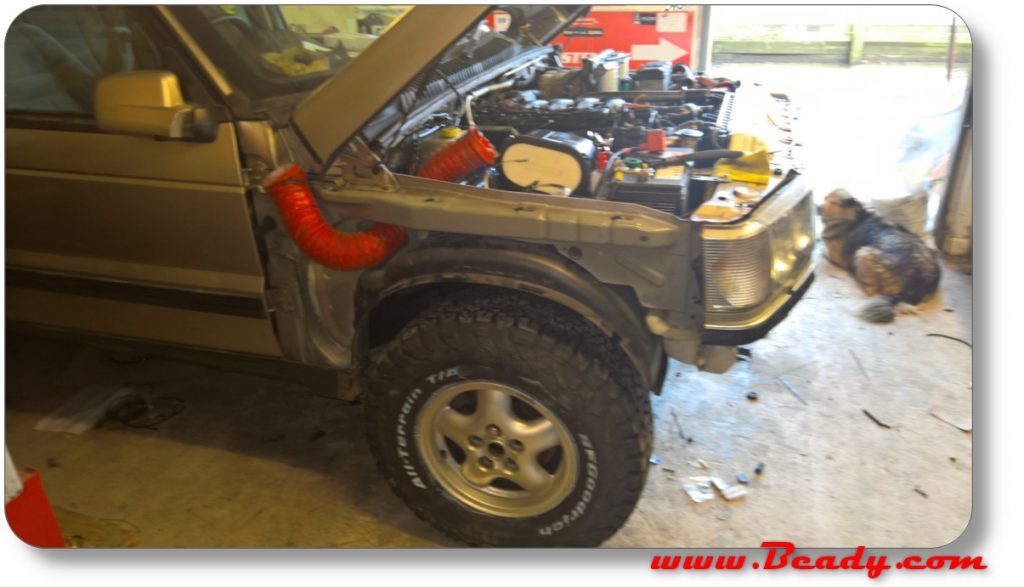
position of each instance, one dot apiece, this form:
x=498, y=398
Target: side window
x=54, y=55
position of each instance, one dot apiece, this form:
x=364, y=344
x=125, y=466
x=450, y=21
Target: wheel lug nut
x=475, y=440
x=486, y=462
x=493, y=430
x=511, y=465
x=515, y=445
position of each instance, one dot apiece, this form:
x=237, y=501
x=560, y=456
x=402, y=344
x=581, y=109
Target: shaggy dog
x=887, y=260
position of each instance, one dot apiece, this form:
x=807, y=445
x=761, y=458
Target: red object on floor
x=30, y=516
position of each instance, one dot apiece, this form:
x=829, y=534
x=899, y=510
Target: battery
x=665, y=191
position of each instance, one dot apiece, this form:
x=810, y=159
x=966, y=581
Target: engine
x=652, y=136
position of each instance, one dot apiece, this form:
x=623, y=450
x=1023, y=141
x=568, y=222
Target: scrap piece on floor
x=679, y=427
x=699, y=492
x=792, y=389
x=84, y=410
x=733, y=492
x=718, y=484
x=856, y=360
x=947, y=336
x=871, y=416
x=967, y=428
x=728, y=492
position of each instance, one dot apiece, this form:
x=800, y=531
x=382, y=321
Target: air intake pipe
x=316, y=238
x=468, y=153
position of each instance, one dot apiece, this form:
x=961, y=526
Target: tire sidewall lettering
x=590, y=474
x=404, y=422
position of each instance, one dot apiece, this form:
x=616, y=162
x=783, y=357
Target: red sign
x=647, y=36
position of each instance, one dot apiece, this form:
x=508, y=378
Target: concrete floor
x=253, y=461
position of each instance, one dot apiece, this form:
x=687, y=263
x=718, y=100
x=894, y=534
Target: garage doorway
x=882, y=92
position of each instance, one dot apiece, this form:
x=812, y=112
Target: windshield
x=270, y=51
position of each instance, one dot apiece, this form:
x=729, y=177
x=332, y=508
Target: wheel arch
x=391, y=296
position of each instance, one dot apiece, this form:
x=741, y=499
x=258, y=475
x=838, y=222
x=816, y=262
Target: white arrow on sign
x=665, y=50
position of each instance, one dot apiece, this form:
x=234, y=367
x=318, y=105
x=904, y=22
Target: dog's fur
x=887, y=260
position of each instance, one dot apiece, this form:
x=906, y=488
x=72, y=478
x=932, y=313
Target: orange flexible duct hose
x=319, y=240
x=468, y=153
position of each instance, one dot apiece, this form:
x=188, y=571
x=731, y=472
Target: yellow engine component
x=753, y=167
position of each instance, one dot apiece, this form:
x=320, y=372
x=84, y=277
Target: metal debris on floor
x=655, y=460
x=732, y=492
x=728, y=492
x=758, y=469
x=938, y=335
x=679, y=427
x=752, y=396
x=856, y=360
x=874, y=419
x=699, y=492
x=792, y=389
x=742, y=478
x=966, y=428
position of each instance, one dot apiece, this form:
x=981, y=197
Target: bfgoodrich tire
x=509, y=421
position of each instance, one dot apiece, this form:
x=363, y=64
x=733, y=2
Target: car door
x=126, y=236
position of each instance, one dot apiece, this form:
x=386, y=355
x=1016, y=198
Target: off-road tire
x=560, y=359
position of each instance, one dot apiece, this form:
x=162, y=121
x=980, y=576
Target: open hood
x=539, y=25
x=332, y=114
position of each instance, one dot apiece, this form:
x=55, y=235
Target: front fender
x=532, y=269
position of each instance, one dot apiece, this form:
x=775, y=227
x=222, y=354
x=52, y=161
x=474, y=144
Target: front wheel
x=507, y=421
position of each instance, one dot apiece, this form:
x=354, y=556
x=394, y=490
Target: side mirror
x=149, y=103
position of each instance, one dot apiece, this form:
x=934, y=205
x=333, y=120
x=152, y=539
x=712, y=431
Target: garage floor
x=252, y=461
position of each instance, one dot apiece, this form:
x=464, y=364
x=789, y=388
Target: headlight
x=792, y=238
x=747, y=263
x=736, y=272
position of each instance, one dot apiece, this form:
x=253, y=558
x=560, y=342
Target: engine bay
x=660, y=136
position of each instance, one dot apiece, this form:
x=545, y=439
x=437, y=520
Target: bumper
x=770, y=318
